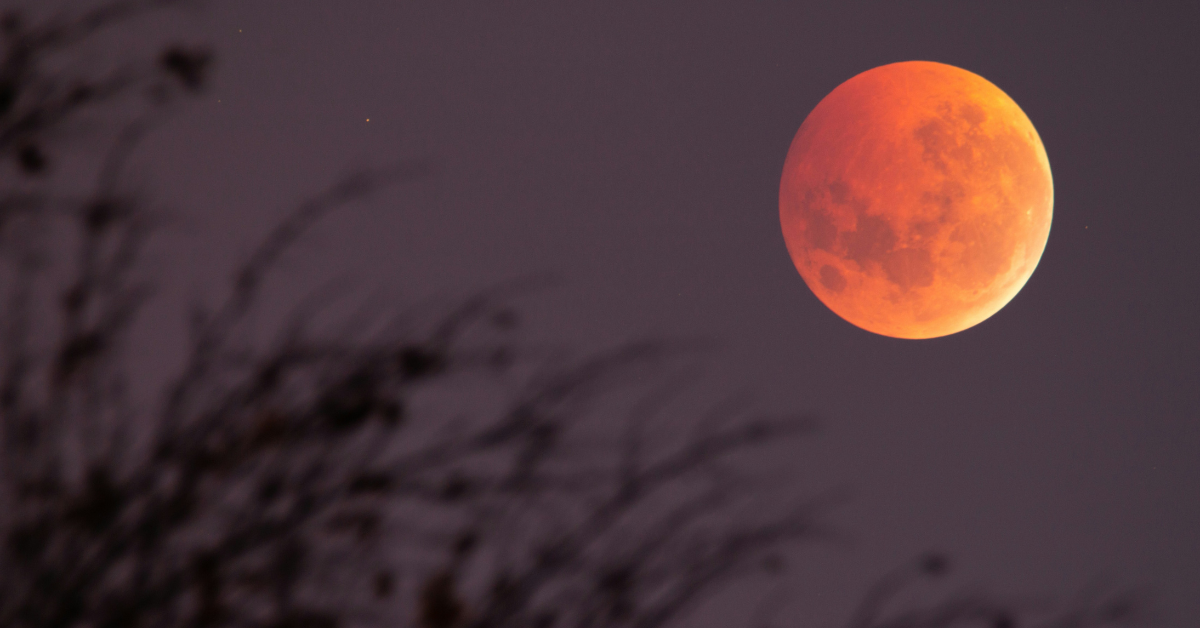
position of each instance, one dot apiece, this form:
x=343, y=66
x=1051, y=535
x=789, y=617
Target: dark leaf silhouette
x=10, y=22
x=417, y=362
x=934, y=564
x=8, y=96
x=31, y=158
x=190, y=66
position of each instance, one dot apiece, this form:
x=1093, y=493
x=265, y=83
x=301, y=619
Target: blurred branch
x=879, y=608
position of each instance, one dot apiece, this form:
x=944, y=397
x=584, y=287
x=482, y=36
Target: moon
x=916, y=200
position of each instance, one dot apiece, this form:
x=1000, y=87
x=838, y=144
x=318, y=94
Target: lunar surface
x=916, y=200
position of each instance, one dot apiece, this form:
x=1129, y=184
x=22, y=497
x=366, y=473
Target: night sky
x=634, y=153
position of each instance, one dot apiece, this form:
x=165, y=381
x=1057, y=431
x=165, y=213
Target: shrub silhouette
x=304, y=485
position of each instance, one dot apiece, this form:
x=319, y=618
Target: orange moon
x=916, y=200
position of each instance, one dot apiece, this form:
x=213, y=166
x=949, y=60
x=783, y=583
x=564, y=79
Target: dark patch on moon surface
x=819, y=228
x=871, y=241
x=909, y=268
x=938, y=136
x=833, y=279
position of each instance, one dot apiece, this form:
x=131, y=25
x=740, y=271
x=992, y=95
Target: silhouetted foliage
x=882, y=606
x=301, y=485
x=31, y=159
x=188, y=65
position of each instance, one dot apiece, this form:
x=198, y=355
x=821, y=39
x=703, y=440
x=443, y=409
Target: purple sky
x=636, y=153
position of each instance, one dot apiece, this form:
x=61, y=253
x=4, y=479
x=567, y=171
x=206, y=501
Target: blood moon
x=916, y=200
